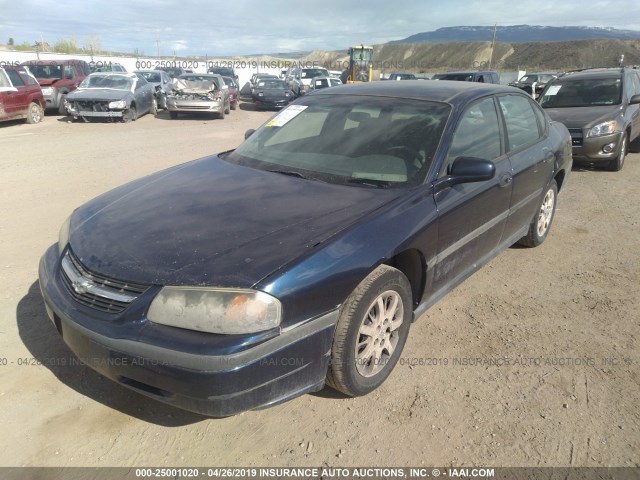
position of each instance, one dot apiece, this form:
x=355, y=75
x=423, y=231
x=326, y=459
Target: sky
x=243, y=27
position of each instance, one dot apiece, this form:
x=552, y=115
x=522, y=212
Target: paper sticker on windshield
x=286, y=115
x=553, y=89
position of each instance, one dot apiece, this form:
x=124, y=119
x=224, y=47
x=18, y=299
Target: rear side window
x=4, y=80
x=69, y=71
x=27, y=79
x=15, y=78
x=521, y=121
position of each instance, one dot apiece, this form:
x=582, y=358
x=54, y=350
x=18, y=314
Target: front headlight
x=604, y=128
x=215, y=310
x=118, y=104
x=63, y=236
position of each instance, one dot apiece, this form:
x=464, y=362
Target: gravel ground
x=533, y=361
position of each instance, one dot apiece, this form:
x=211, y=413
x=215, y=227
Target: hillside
x=519, y=33
x=431, y=57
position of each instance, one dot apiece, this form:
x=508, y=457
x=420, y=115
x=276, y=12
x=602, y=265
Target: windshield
x=460, y=77
x=46, y=71
x=272, y=84
x=114, y=82
x=351, y=140
x=151, y=77
x=588, y=92
x=313, y=72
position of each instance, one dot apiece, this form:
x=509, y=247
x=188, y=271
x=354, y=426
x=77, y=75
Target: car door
x=471, y=216
x=143, y=94
x=15, y=102
x=633, y=88
x=532, y=159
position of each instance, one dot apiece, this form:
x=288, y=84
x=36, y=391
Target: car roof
x=447, y=91
x=147, y=71
x=593, y=73
x=118, y=74
x=467, y=71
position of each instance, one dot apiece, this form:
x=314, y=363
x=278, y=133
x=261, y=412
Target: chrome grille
x=576, y=137
x=97, y=291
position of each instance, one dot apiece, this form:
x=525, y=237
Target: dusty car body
x=537, y=80
x=57, y=79
x=601, y=109
x=20, y=95
x=234, y=91
x=318, y=83
x=121, y=96
x=301, y=258
x=198, y=93
x=160, y=81
x=299, y=79
x=271, y=93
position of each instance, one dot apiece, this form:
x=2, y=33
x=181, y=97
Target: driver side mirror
x=635, y=100
x=467, y=170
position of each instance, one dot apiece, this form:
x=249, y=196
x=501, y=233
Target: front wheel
x=371, y=331
x=35, y=113
x=130, y=115
x=62, y=110
x=154, y=107
x=228, y=109
x=617, y=163
x=541, y=223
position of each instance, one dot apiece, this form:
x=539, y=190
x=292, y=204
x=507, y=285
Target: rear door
x=471, y=216
x=532, y=159
x=16, y=102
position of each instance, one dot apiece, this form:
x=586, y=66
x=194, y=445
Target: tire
x=154, y=107
x=366, y=346
x=221, y=114
x=234, y=105
x=617, y=163
x=228, y=109
x=541, y=223
x=35, y=113
x=61, y=109
x=131, y=115
x=173, y=115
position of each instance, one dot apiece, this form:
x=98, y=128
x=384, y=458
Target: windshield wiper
x=369, y=182
x=290, y=173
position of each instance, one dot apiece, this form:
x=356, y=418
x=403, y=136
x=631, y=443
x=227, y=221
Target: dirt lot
x=558, y=324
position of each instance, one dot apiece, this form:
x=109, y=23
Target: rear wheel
x=234, y=105
x=34, y=113
x=541, y=223
x=228, y=109
x=372, y=329
x=617, y=163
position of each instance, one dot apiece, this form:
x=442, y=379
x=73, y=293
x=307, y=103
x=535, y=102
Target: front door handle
x=505, y=180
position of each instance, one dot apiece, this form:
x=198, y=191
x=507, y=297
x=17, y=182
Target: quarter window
x=15, y=78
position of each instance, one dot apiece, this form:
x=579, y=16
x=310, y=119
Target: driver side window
x=477, y=133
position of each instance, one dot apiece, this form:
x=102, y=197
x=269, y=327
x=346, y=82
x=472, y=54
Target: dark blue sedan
x=301, y=258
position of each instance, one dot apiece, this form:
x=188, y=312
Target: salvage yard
x=533, y=361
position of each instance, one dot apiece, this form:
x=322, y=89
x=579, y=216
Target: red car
x=58, y=78
x=233, y=91
x=20, y=95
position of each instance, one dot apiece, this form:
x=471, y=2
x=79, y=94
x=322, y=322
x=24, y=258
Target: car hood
x=98, y=94
x=584, y=117
x=210, y=222
x=46, y=82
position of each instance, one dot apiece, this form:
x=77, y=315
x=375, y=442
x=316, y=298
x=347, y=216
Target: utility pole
x=493, y=44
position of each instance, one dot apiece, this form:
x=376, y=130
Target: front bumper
x=590, y=149
x=266, y=103
x=284, y=366
x=174, y=105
